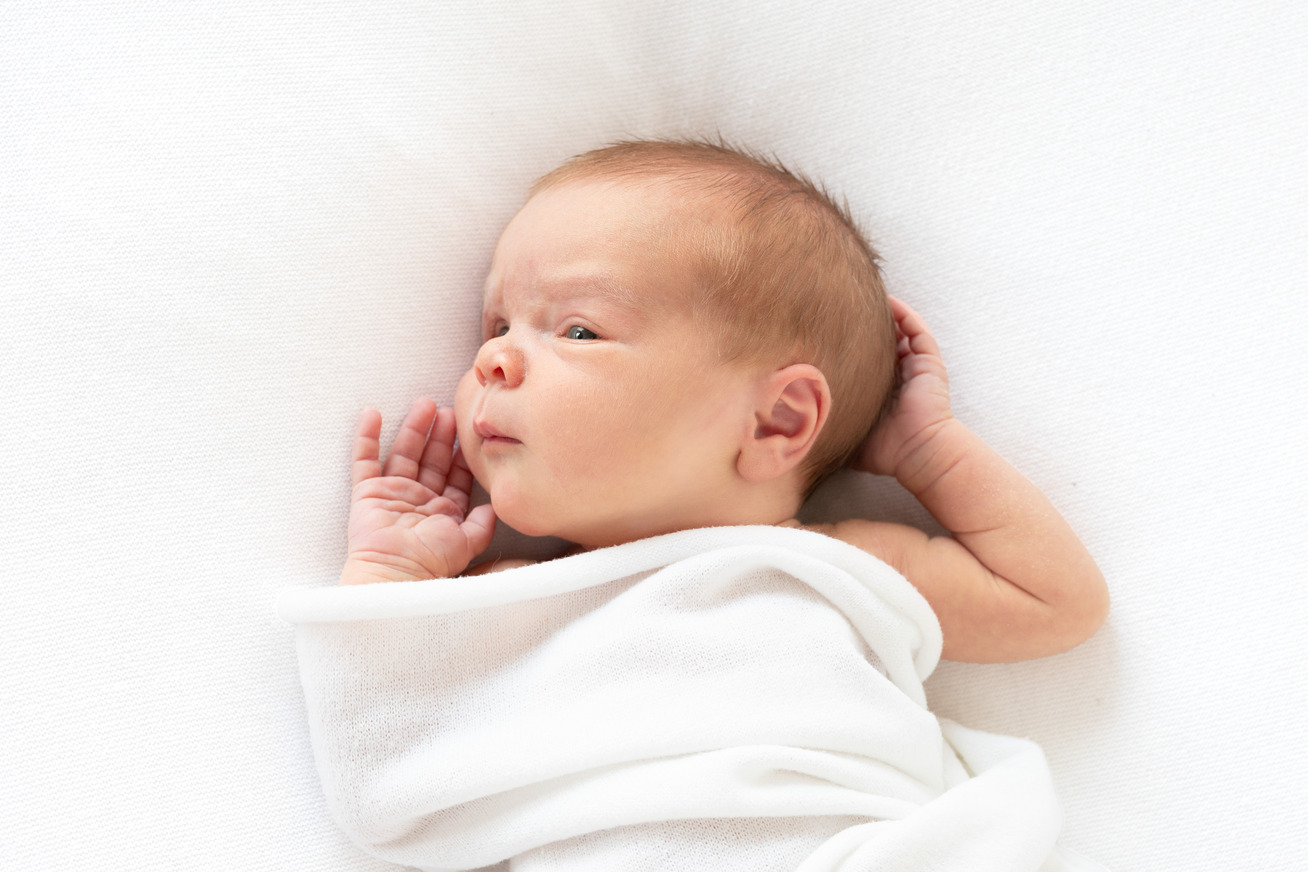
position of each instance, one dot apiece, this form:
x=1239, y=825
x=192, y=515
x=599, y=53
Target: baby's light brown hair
x=786, y=275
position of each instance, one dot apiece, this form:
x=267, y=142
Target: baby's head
x=676, y=335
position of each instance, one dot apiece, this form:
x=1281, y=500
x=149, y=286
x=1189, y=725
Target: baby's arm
x=409, y=519
x=1012, y=581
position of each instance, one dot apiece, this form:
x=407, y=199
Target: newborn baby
x=679, y=342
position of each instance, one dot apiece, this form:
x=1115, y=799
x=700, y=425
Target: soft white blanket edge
x=573, y=713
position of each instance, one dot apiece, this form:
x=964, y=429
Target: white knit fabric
x=739, y=698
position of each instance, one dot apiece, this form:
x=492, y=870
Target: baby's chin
x=522, y=518
x=542, y=523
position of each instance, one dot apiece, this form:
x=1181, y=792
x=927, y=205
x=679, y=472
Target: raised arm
x=409, y=518
x=1011, y=581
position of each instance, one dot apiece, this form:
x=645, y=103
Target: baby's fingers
x=406, y=450
x=458, y=483
x=363, y=457
x=434, y=467
x=913, y=329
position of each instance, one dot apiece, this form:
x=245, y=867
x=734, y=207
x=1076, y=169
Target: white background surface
x=225, y=227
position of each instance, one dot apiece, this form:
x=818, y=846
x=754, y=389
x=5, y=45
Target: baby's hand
x=922, y=405
x=409, y=520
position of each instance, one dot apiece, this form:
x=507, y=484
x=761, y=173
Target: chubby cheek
x=604, y=460
x=591, y=424
x=464, y=396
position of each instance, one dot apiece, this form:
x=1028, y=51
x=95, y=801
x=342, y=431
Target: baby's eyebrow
x=552, y=287
x=599, y=286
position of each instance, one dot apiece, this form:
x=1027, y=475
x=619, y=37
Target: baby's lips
x=489, y=431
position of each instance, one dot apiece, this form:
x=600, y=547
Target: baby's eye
x=576, y=331
x=501, y=330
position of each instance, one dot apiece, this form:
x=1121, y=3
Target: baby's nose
x=499, y=360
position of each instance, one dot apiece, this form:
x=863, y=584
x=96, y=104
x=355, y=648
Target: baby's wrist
x=938, y=450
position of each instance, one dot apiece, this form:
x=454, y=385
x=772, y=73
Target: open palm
x=409, y=518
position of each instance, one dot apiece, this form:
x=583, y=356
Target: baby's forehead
x=562, y=283
x=602, y=239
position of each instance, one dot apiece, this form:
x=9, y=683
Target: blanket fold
x=727, y=698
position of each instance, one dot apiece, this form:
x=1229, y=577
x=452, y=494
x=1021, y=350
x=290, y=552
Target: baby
x=680, y=342
x=680, y=335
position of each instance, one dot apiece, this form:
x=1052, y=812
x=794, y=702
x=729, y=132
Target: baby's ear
x=792, y=408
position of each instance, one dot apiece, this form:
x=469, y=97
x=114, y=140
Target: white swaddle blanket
x=727, y=698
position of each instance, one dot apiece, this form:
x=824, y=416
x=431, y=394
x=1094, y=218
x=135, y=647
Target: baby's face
x=597, y=409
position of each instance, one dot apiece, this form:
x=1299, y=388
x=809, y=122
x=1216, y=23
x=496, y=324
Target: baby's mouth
x=490, y=435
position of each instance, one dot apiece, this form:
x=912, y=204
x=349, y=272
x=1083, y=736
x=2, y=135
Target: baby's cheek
x=464, y=395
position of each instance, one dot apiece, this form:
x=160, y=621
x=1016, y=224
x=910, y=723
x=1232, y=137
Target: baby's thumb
x=479, y=527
